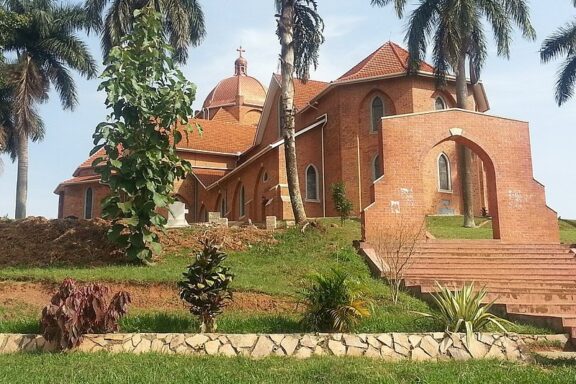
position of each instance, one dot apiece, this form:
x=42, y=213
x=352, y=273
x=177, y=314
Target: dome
x=230, y=91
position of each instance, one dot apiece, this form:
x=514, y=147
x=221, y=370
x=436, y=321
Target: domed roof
x=230, y=90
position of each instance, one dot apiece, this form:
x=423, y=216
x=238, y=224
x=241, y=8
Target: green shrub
x=342, y=204
x=332, y=305
x=206, y=285
x=462, y=310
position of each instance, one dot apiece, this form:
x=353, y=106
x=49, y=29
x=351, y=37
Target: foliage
x=74, y=311
x=148, y=98
x=183, y=22
x=462, y=310
x=46, y=47
x=342, y=204
x=562, y=43
x=206, y=285
x=332, y=305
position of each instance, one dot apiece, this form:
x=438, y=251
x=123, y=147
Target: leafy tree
x=341, y=202
x=46, y=48
x=148, y=97
x=183, y=22
x=300, y=33
x=206, y=285
x=456, y=29
x=562, y=43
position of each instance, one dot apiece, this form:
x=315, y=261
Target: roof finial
x=241, y=64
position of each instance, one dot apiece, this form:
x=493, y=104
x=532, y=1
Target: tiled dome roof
x=229, y=91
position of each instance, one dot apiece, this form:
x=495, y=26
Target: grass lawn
x=158, y=369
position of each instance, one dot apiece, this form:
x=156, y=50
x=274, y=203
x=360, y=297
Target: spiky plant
x=332, y=305
x=206, y=285
x=462, y=310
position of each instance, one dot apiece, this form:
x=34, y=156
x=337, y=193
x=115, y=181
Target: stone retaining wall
x=388, y=346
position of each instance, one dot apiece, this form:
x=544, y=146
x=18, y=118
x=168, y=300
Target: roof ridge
x=393, y=46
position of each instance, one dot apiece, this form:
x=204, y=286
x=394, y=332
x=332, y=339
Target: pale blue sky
x=520, y=88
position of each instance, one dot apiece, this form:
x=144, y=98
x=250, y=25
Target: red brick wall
x=516, y=200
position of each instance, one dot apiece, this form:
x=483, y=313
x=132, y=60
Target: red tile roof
x=88, y=162
x=389, y=59
x=78, y=180
x=218, y=136
x=227, y=91
x=305, y=91
x=208, y=176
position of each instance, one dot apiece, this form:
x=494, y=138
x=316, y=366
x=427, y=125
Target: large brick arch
x=517, y=201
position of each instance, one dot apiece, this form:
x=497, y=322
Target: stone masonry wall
x=387, y=346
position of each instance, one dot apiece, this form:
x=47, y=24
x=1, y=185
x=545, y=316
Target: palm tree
x=456, y=30
x=562, y=43
x=300, y=33
x=184, y=22
x=46, y=48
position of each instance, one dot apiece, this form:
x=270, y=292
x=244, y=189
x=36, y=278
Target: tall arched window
x=376, y=167
x=312, y=183
x=444, y=176
x=377, y=112
x=439, y=104
x=88, y=203
x=241, y=202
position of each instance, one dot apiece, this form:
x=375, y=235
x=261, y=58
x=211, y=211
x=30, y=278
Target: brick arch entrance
x=518, y=201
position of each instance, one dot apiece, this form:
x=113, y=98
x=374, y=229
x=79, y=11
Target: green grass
x=158, y=369
x=450, y=227
x=568, y=231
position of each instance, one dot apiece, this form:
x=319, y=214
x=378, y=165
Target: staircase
x=535, y=283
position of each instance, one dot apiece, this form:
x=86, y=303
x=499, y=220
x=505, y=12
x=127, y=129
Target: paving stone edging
x=388, y=346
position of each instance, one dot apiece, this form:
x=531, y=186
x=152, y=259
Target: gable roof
x=388, y=59
x=304, y=91
x=219, y=137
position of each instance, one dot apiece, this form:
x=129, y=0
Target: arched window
x=444, y=176
x=312, y=183
x=88, y=203
x=241, y=202
x=222, y=206
x=376, y=167
x=439, y=104
x=377, y=111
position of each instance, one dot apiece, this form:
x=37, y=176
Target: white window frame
x=91, y=203
x=373, y=167
x=443, y=102
x=448, y=169
x=317, y=199
x=372, y=130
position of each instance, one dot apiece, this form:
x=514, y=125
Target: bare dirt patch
x=156, y=297
x=39, y=242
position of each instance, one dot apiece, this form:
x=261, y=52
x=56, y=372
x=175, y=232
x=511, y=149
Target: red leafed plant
x=74, y=311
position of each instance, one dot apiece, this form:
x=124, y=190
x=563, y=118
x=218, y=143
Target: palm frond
x=560, y=43
x=308, y=29
x=420, y=25
x=566, y=80
x=399, y=5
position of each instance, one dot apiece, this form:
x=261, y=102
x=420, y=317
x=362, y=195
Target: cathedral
x=391, y=138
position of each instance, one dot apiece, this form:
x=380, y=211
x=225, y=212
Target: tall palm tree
x=562, y=43
x=456, y=30
x=184, y=22
x=299, y=30
x=46, y=48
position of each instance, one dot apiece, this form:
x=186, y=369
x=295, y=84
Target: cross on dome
x=241, y=64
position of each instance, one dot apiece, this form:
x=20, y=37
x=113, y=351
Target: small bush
x=462, y=310
x=332, y=305
x=342, y=204
x=206, y=285
x=74, y=311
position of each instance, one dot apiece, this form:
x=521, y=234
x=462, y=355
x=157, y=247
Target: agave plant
x=462, y=309
x=332, y=304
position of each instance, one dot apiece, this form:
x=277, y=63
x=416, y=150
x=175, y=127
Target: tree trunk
x=22, y=177
x=287, y=108
x=464, y=153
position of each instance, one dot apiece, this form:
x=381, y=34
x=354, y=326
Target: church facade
x=389, y=137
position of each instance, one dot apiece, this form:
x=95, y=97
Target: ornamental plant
x=206, y=285
x=149, y=99
x=462, y=310
x=74, y=311
x=342, y=204
x=332, y=305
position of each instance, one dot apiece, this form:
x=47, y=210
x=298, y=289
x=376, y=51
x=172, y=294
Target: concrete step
x=489, y=261
x=491, y=282
x=519, y=296
x=492, y=252
x=543, y=308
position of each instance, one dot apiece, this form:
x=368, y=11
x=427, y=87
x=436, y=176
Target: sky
x=520, y=88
